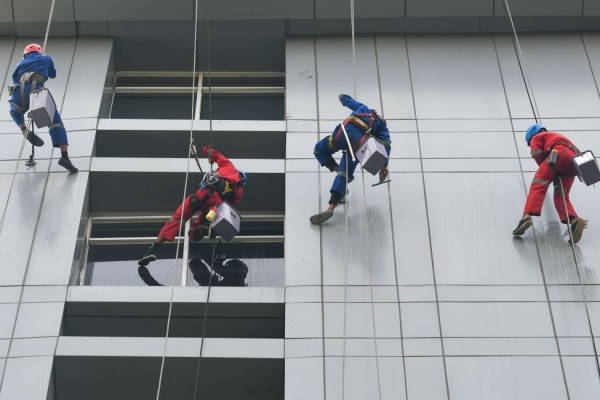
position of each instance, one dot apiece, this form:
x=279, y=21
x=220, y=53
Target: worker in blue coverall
x=362, y=123
x=30, y=74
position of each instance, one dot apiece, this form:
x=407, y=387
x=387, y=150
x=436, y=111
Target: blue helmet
x=243, y=177
x=532, y=131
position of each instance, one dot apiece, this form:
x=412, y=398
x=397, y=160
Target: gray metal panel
x=299, y=371
x=6, y=48
x=396, y=90
x=420, y=320
x=411, y=237
x=28, y=347
x=493, y=200
x=591, y=7
x=500, y=378
x=19, y=225
x=456, y=77
x=58, y=228
x=269, y=9
x=302, y=258
x=467, y=144
x=582, y=377
x=39, y=10
x=26, y=378
x=8, y=312
x=114, y=10
x=39, y=319
x=335, y=76
x=7, y=14
x=591, y=41
x=340, y=9
x=425, y=378
x=501, y=347
x=88, y=74
x=300, y=79
x=568, y=75
x=303, y=320
x=367, y=244
x=444, y=8
x=540, y=7
x=495, y=320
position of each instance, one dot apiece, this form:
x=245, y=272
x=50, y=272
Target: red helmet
x=32, y=47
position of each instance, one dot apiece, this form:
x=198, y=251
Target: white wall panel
x=472, y=216
x=455, y=77
x=500, y=378
x=86, y=82
x=58, y=228
x=20, y=221
x=26, y=378
x=563, y=86
x=335, y=75
x=396, y=90
x=300, y=79
x=303, y=242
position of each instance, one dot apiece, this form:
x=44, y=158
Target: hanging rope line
x=187, y=172
x=210, y=119
x=521, y=62
x=366, y=223
x=538, y=118
x=29, y=124
x=393, y=234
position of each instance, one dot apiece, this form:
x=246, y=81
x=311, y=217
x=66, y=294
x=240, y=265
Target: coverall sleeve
x=15, y=76
x=51, y=69
x=537, y=150
x=352, y=104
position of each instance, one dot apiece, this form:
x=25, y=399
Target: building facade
x=415, y=289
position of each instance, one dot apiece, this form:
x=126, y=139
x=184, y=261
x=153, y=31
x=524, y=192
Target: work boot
x=577, y=228
x=67, y=164
x=150, y=255
x=146, y=277
x=523, y=225
x=319, y=218
x=31, y=137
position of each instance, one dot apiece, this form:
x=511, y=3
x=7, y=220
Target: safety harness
x=27, y=77
x=357, y=121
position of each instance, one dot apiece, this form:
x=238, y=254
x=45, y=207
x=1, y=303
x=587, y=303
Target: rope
x=521, y=62
x=537, y=117
x=187, y=172
x=28, y=125
x=366, y=220
x=585, y=303
x=202, y=340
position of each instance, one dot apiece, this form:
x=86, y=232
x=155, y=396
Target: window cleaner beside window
x=30, y=74
x=224, y=184
x=553, y=153
x=360, y=125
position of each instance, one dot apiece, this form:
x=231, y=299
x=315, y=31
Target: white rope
x=537, y=117
x=187, y=172
x=366, y=217
x=28, y=125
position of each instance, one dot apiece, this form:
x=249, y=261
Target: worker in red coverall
x=543, y=144
x=224, y=184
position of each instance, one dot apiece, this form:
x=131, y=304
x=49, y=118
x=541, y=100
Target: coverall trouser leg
x=545, y=175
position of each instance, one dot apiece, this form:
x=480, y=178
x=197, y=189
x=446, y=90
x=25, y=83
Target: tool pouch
x=553, y=158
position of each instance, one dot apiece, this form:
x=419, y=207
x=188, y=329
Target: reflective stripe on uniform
x=342, y=174
x=56, y=126
x=541, y=182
